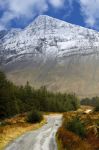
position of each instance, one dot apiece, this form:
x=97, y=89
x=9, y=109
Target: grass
x=71, y=141
x=15, y=127
x=59, y=143
x=76, y=126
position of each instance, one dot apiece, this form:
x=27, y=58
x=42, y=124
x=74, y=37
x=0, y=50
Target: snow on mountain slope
x=51, y=52
x=48, y=37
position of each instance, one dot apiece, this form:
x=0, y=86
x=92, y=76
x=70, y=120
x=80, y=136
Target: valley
x=49, y=66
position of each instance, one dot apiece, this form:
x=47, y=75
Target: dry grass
x=15, y=127
x=71, y=141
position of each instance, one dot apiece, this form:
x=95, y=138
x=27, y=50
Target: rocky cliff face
x=50, y=52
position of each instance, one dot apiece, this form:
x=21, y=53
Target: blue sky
x=19, y=13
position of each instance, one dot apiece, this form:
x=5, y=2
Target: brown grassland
x=68, y=140
x=14, y=127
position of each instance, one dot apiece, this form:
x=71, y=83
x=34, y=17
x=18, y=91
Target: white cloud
x=2, y=27
x=57, y=3
x=21, y=8
x=27, y=9
x=90, y=12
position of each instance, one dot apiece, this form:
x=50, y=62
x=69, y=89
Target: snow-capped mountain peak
x=48, y=37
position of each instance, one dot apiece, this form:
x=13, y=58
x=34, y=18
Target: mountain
x=51, y=52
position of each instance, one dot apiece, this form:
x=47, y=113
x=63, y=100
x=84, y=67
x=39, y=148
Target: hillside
x=61, y=56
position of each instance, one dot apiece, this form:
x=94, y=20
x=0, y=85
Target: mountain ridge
x=51, y=52
x=39, y=33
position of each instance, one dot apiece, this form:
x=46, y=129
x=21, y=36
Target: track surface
x=41, y=139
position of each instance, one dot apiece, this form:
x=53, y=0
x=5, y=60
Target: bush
x=34, y=116
x=97, y=108
x=76, y=126
x=70, y=141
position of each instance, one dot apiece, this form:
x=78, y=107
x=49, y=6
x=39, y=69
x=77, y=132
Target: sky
x=19, y=13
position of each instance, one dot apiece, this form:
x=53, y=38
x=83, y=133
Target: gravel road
x=41, y=139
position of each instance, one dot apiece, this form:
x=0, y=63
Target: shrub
x=97, y=108
x=34, y=116
x=70, y=141
x=76, y=126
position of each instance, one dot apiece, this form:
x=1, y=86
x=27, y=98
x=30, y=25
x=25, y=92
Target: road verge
x=14, y=127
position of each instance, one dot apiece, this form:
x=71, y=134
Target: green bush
x=34, y=116
x=97, y=108
x=76, y=126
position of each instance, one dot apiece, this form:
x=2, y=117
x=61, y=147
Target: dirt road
x=41, y=139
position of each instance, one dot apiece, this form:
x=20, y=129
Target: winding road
x=41, y=139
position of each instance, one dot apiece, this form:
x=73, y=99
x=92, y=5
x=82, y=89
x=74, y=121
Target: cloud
x=68, y=7
x=2, y=27
x=21, y=8
x=26, y=9
x=90, y=12
x=57, y=3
